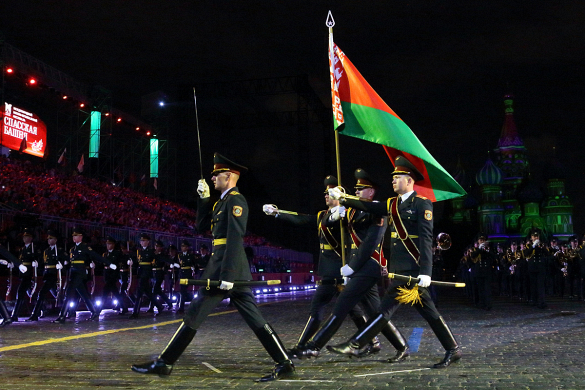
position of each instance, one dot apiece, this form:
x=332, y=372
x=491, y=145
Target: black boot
x=163, y=365
x=16, y=310
x=373, y=346
x=309, y=331
x=136, y=310
x=321, y=338
x=398, y=342
x=36, y=311
x=271, y=342
x=4, y=314
x=453, y=352
x=361, y=338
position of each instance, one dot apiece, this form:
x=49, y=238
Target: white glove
x=35, y=264
x=129, y=262
x=345, y=280
x=482, y=245
x=177, y=265
x=21, y=267
x=3, y=262
x=270, y=209
x=336, y=193
x=92, y=265
x=113, y=266
x=346, y=270
x=203, y=189
x=65, y=262
x=425, y=280
x=59, y=266
x=226, y=285
x=535, y=243
x=337, y=212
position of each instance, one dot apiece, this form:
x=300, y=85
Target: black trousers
x=157, y=290
x=242, y=298
x=484, y=291
x=77, y=284
x=325, y=294
x=537, y=288
x=362, y=290
x=111, y=287
x=49, y=285
x=389, y=303
x=144, y=288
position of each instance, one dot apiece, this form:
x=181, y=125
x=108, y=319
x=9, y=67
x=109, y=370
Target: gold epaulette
x=234, y=193
x=422, y=197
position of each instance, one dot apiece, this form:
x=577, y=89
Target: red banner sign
x=23, y=130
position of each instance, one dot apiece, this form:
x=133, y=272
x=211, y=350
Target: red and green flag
x=358, y=111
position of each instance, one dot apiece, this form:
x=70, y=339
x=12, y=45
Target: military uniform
x=161, y=261
x=187, y=263
x=329, y=265
x=146, y=259
x=365, y=267
x=228, y=263
x=411, y=231
x=53, y=257
x=27, y=255
x=537, y=259
x=80, y=257
x=10, y=258
x=483, y=272
x=112, y=276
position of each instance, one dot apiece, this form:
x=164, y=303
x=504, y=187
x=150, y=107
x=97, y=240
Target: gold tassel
x=409, y=295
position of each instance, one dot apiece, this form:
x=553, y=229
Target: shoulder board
x=234, y=193
x=422, y=197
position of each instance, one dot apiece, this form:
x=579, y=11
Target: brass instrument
x=512, y=259
x=443, y=241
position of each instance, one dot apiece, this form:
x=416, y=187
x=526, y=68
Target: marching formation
x=527, y=270
x=68, y=276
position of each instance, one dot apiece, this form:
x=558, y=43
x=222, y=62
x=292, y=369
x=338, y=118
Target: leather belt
x=144, y=263
x=185, y=267
x=219, y=241
x=27, y=263
x=326, y=247
x=395, y=235
x=50, y=266
x=78, y=262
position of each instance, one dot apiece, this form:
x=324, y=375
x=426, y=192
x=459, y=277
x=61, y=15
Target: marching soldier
x=146, y=258
x=53, y=259
x=29, y=257
x=581, y=251
x=80, y=256
x=203, y=259
x=172, y=271
x=186, y=264
x=482, y=260
x=125, y=278
x=113, y=255
x=573, y=269
x=158, y=273
x=363, y=269
x=411, y=238
x=228, y=219
x=536, y=257
x=9, y=260
x=329, y=270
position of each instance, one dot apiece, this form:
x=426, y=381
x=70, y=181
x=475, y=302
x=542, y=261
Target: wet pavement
x=513, y=346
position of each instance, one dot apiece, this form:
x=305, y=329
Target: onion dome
x=530, y=193
x=490, y=174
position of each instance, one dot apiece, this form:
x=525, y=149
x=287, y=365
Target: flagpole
x=330, y=23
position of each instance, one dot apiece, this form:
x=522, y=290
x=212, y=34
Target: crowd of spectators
x=31, y=188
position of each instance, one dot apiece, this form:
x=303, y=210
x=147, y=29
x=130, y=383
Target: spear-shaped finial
x=330, y=22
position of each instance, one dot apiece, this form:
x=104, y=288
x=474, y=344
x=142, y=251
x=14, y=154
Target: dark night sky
x=443, y=66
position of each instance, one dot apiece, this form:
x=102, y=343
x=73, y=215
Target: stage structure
x=80, y=120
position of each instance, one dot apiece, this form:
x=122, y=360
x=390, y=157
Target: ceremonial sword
x=216, y=283
x=404, y=278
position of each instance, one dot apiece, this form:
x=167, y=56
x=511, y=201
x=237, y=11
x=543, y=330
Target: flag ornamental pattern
x=364, y=115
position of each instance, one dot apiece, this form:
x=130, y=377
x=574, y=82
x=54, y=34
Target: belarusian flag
x=359, y=112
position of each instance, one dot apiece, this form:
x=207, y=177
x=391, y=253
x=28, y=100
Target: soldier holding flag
x=411, y=238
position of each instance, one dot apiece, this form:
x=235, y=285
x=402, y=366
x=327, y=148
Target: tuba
x=443, y=241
